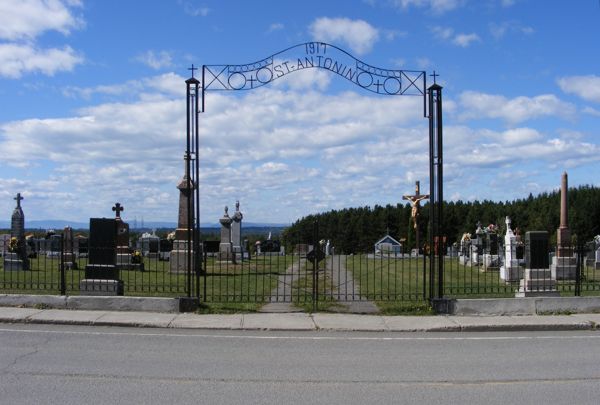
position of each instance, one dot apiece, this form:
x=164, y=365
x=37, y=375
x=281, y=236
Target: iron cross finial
x=193, y=69
x=434, y=75
x=18, y=198
x=117, y=209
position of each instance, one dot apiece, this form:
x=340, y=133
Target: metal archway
x=316, y=55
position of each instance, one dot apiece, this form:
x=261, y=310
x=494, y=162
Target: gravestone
x=164, y=249
x=16, y=258
x=226, y=247
x=101, y=272
x=181, y=259
x=53, y=247
x=236, y=232
x=68, y=249
x=4, y=243
x=597, y=259
x=510, y=270
x=538, y=280
x=80, y=246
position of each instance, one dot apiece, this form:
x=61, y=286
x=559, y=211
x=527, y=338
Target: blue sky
x=93, y=104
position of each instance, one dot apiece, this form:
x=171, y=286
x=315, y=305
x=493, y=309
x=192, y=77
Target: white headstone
x=510, y=270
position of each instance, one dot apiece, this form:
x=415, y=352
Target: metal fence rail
x=298, y=279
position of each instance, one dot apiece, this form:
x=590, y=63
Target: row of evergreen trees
x=354, y=230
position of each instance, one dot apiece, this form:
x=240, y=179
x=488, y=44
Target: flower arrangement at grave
x=171, y=236
x=136, y=257
x=492, y=228
x=13, y=245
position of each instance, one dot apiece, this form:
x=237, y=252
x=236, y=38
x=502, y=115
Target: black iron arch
x=310, y=55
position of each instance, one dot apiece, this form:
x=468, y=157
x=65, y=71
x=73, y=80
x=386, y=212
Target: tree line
x=354, y=230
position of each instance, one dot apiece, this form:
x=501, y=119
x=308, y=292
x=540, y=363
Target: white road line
x=257, y=337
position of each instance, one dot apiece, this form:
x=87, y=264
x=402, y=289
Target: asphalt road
x=73, y=365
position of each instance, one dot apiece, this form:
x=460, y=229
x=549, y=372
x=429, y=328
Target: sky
x=92, y=97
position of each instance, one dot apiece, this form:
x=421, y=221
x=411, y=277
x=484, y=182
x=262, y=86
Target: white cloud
x=275, y=27
x=193, y=9
x=591, y=111
x=21, y=22
x=16, y=60
x=283, y=152
x=586, y=87
x=443, y=33
x=465, y=40
x=167, y=84
x=447, y=34
x=359, y=35
x=26, y=19
x=499, y=30
x=155, y=60
x=480, y=105
x=435, y=6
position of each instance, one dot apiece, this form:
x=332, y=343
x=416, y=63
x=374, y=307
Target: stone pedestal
x=538, y=280
x=12, y=262
x=178, y=261
x=597, y=262
x=101, y=287
x=490, y=262
x=70, y=261
x=537, y=283
x=564, y=268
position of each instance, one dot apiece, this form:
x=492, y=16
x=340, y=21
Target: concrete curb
x=302, y=322
x=524, y=306
x=86, y=302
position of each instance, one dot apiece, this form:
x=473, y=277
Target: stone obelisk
x=181, y=251
x=564, y=264
x=563, y=233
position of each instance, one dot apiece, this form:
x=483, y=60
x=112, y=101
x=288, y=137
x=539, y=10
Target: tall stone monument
x=16, y=257
x=182, y=255
x=226, y=247
x=564, y=263
x=236, y=232
x=510, y=270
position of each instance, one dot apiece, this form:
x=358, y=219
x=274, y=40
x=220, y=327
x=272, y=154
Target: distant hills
x=57, y=224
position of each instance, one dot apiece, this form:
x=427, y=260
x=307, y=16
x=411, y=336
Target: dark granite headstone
x=493, y=243
x=536, y=250
x=102, y=250
x=211, y=246
x=166, y=245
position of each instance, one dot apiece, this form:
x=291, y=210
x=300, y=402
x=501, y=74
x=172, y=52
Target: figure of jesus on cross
x=415, y=202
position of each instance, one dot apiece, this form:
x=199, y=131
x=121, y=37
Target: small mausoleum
x=388, y=245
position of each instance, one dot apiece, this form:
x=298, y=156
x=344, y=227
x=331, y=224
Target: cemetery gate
x=344, y=277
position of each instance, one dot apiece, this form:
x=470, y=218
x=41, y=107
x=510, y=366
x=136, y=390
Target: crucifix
x=117, y=209
x=18, y=198
x=415, y=202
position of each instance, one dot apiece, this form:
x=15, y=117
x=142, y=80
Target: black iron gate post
x=63, y=285
x=315, y=260
x=436, y=195
x=581, y=252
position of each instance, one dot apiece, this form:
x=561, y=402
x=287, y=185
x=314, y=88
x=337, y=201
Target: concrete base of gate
x=518, y=306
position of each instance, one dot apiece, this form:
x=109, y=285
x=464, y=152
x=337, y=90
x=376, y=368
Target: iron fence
x=313, y=276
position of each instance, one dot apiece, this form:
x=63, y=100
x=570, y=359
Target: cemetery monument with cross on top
x=314, y=55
